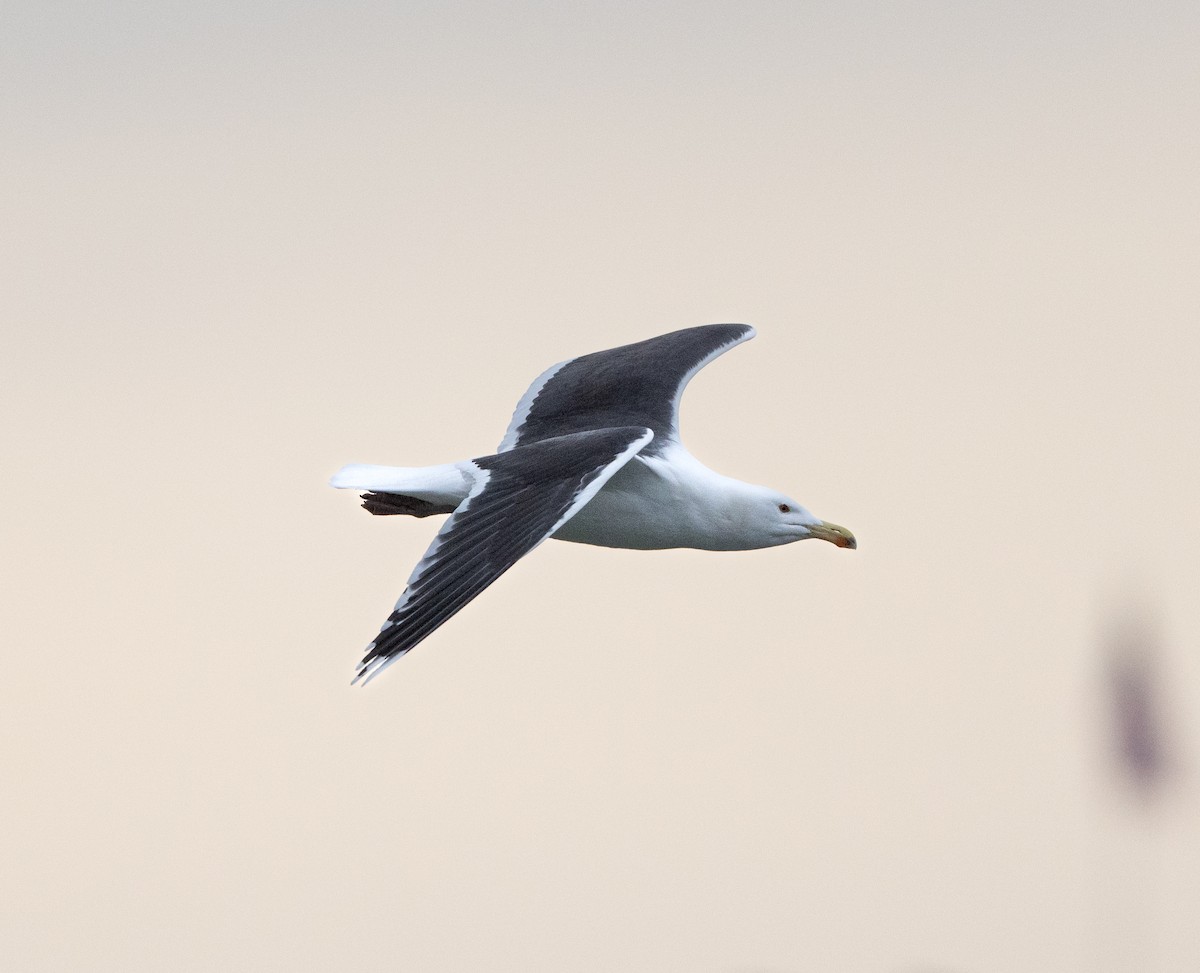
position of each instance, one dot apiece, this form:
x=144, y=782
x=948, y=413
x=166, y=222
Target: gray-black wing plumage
x=633, y=385
x=520, y=498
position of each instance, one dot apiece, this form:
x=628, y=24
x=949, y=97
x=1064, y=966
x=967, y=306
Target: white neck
x=710, y=511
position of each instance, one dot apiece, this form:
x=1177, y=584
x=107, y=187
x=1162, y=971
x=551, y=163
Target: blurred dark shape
x=1140, y=737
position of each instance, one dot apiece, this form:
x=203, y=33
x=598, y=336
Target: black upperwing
x=520, y=498
x=633, y=385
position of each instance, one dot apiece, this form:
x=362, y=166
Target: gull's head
x=787, y=521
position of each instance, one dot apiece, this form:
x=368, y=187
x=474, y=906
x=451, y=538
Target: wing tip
x=748, y=331
x=371, y=666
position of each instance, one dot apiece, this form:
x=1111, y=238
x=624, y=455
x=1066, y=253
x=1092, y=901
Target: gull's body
x=671, y=500
x=593, y=456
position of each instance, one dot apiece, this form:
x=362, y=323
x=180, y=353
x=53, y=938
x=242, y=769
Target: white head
x=769, y=519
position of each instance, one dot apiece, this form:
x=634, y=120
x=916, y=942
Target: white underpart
x=448, y=483
x=674, y=500
x=521, y=413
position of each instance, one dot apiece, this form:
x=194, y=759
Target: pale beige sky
x=245, y=245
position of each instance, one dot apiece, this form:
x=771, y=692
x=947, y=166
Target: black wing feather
x=633, y=385
x=522, y=496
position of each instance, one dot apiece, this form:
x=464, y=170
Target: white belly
x=648, y=505
x=619, y=518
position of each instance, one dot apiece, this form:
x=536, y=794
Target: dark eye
x=784, y=508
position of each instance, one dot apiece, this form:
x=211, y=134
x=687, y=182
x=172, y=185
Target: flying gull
x=592, y=455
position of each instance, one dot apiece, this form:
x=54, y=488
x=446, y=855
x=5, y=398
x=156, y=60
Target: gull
x=593, y=456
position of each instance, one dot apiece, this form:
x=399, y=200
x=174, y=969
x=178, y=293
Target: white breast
x=664, y=501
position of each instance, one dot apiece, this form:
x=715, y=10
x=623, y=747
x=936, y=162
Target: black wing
x=634, y=385
x=520, y=498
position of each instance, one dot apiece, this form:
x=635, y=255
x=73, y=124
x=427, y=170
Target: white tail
x=448, y=483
